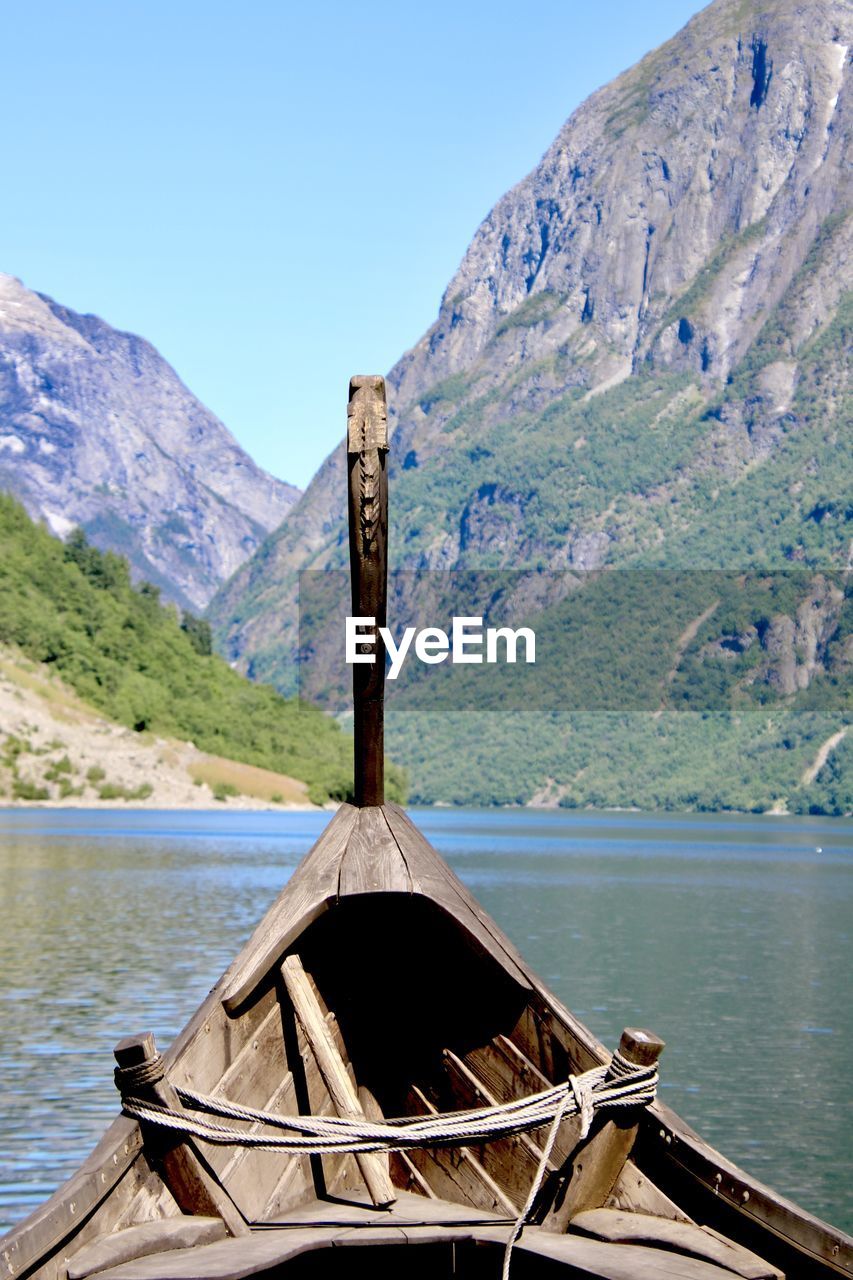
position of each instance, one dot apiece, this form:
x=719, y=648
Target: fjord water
x=729, y=936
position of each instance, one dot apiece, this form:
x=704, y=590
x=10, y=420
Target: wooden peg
x=598, y=1161
x=183, y=1171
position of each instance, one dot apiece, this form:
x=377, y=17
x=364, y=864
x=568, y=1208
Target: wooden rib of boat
x=377, y=986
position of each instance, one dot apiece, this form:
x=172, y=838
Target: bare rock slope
x=644, y=355
x=97, y=430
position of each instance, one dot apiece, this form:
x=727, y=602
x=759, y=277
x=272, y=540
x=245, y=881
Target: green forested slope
x=74, y=608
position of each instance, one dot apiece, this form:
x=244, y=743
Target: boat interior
x=427, y=1009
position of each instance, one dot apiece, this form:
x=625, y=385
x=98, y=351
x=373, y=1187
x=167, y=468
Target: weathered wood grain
x=512, y=1162
x=334, y=1072
x=634, y=1192
x=140, y=1241
x=682, y=1237
x=431, y=876
x=184, y=1172
x=311, y=888
x=715, y=1190
x=414, y=1222
x=406, y=1177
x=258, y=1076
x=372, y=861
x=251, y=1176
x=367, y=450
x=600, y=1158
x=455, y=1173
x=33, y=1240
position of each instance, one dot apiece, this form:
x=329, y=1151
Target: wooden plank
x=454, y=1173
x=601, y=1260
x=682, y=1237
x=509, y=1075
x=512, y=1162
x=214, y=1036
x=32, y=1241
x=314, y=1099
x=262, y=1183
x=313, y=885
x=185, y=1174
x=138, y=1195
x=372, y=861
x=258, y=1076
x=250, y=1176
x=294, y=1187
x=431, y=876
x=600, y=1158
x=151, y=1202
x=716, y=1190
x=139, y=1241
x=550, y=1043
x=334, y=1072
x=371, y=1108
x=505, y=1070
x=348, y=1227
x=635, y=1193
x=406, y=1177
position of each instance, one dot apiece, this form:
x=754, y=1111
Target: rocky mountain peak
x=97, y=430
x=731, y=138
x=641, y=355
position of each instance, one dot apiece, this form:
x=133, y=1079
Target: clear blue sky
x=276, y=194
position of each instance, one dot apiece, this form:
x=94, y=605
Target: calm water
x=731, y=937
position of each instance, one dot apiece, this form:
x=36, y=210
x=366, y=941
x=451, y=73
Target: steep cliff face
x=644, y=355
x=97, y=430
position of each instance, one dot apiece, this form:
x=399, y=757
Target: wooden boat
x=376, y=986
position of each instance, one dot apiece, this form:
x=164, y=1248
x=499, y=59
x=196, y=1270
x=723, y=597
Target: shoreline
x=252, y=804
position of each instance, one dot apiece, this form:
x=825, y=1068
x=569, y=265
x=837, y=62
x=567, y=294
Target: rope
x=584, y=1106
x=139, y=1075
x=318, y=1135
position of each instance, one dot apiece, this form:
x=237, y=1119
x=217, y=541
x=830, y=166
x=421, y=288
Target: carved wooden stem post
x=367, y=449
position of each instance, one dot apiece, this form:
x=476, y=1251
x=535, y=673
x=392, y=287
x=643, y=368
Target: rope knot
x=582, y=1091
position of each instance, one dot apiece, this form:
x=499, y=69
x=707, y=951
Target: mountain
x=643, y=362
x=98, y=431
x=642, y=357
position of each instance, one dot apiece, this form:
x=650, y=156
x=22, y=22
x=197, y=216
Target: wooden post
x=373, y=1167
x=194, y=1188
x=597, y=1163
x=367, y=449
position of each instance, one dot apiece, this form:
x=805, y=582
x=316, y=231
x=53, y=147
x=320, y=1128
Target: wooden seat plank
x=137, y=1242
x=639, y=1228
x=412, y=1221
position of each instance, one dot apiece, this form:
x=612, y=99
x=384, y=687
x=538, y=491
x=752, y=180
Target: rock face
x=97, y=430
x=644, y=355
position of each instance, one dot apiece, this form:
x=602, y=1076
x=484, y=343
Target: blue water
x=728, y=936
